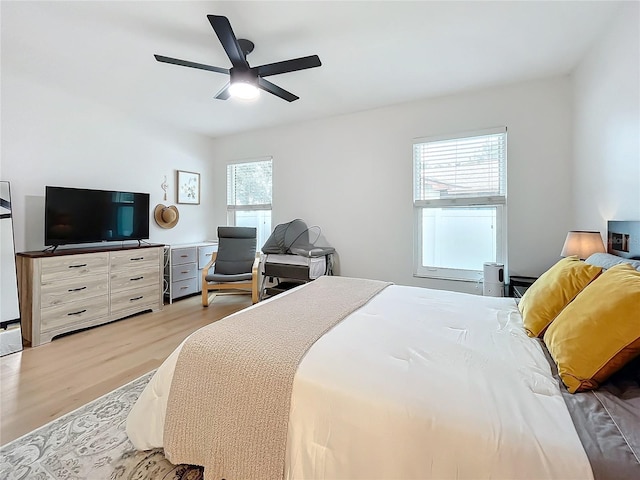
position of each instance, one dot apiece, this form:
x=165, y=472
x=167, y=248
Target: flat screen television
x=78, y=215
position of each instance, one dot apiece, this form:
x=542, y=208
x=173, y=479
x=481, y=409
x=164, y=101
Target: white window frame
x=232, y=209
x=499, y=202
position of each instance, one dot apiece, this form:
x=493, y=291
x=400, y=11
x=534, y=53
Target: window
x=459, y=200
x=249, y=196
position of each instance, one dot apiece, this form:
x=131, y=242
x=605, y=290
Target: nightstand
x=518, y=285
x=518, y=291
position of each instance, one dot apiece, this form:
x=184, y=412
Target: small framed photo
x=188, y=187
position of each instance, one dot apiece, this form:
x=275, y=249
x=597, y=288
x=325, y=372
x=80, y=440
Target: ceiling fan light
x=244, y=90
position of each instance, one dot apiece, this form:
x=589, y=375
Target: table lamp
x=582, y=244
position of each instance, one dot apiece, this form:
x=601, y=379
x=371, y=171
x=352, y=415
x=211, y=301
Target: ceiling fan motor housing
x=244, y=76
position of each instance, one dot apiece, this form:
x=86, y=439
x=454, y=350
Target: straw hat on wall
x=166, y=217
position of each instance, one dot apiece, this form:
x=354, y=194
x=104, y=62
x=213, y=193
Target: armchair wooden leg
x=205, y=297
x=254, y=291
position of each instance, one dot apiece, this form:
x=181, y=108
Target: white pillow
x=606, y=260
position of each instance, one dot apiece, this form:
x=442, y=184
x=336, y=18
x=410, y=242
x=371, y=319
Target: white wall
x=607, y=127
x=573, y=160
x=352, y=175
x=53, y=137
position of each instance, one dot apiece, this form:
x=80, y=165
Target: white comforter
x=418, y=384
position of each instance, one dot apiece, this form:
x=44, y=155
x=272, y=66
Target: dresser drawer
x=205, y=253
x=135, y=300
x=55, y=269
x=59, y=293
x=182, y=272
x=184, y=287
x=75, y=312
x=137, y=259
x=126, y=279
x=183, y=255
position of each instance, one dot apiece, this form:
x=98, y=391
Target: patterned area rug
x=90, y=443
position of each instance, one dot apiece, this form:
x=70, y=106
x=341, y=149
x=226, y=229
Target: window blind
x=469, y=169
x=249, y=185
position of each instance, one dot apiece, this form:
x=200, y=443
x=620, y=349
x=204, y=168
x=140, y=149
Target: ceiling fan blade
x=224, y=93
x=267, y=86
x=229, y=41
x=185, y=63
x=286, y=66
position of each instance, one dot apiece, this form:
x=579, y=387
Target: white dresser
x=183, y=264
x=74, y=289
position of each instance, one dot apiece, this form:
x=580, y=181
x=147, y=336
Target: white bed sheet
x=418, y=383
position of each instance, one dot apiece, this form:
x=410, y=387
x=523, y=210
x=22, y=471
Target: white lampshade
x=582, y=244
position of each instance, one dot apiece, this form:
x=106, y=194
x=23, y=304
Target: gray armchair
x=235, y=266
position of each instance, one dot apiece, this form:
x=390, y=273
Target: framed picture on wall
x=188, y=187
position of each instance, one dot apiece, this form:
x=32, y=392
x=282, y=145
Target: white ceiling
x=373, y=53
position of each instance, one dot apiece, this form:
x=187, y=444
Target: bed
x=411, y=383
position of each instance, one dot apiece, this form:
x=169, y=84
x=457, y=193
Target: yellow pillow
x=599, y=332
x=549, y=294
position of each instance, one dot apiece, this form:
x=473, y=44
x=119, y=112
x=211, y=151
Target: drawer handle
x=208, y=254
x=76, y=289
x=183, y=288
x=184, y=256
x=185, y=271
x=137, y=258
x=78, y=266
x=136, y=278
x=77, y=313
x=136, y=298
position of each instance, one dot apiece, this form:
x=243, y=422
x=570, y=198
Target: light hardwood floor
x=40, y=384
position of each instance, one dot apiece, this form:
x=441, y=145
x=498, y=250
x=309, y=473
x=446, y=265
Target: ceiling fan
x=245, y=80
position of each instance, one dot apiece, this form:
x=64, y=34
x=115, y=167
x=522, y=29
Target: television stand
x=73, y=289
